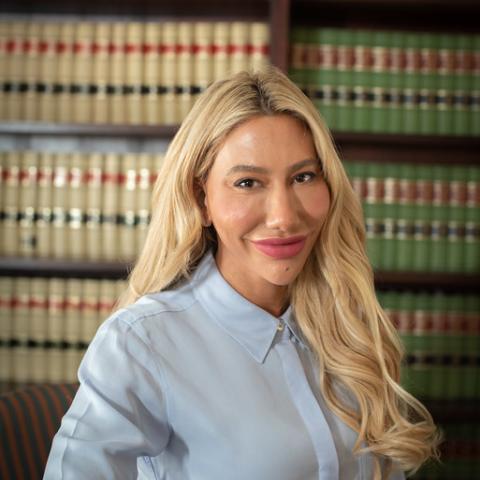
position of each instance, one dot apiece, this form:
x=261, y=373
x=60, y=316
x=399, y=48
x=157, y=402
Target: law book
x=374, y=213
x=411, y=84
x=11, y=193
x=133, y=72
x=220, y=53
x=260, y=45
x=471, y=346
x=185, y=56
x=453, y=352
x=440, y=213
x=56, y=326
x=475, y=93
x=456, y=218
x=27, y=203
x=380, y=80
x=471, y=257
x=76, y=205
x=423, y=215
x=322, y=72
x=60, y=206
x=38, y=329
x=107, y=299
x=116, y=78
x=82, y=98
x=64, y=90
x=151, y=76
x=90, y=310
x=15, y=84
x=143, y=196
x=169, y=58
x=4, y=74
x=202, y=74
x=30, y=71
x=6, y=327
x=297, y=62
x=110, y=207
x=47, y=71
x=93, y=206
x=100, y=72
x=446, y=85
x=463, y=84
x=345, y=43
x=73, y=325
x=405, y=238
x=239, y=46
x=439, y=344
x=428, y=83
x=44, y=204
x=391, y=201
x=362, y=80
x=20, y=330
x=127, y=207
x=396, y=83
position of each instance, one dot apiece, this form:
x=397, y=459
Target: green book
x=440, y=211
x=298, y=46
x=463, y=85
x=475, y=92
x=446, y=84
x=323, y=79
x=396, y=84
x=362, y=81
x=439, y=340
x=374, y=214
x=455, y=376
x=456, y=218
x=411, y=83
x=405, y=242
x=471, y=346
x=380, y=81
x=345, y=82
x=390, y=212
x=423, y=218
x=471, y=260
x=428, y=84
x=422, y=341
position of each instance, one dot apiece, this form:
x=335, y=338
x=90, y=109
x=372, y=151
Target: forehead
x=279, y=139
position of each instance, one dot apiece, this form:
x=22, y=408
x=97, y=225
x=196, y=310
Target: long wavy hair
x=356, y=346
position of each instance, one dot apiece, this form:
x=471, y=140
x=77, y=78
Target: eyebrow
x=255, y=169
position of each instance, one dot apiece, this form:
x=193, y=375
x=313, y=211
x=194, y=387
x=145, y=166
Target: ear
x=201, y=197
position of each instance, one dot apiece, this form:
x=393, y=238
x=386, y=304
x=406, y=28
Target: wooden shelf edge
x=17, y=266
x=45, y=267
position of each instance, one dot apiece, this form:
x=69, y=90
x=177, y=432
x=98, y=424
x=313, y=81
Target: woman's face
x=267, y=199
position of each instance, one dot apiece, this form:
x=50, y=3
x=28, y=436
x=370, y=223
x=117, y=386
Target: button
x=280, y=326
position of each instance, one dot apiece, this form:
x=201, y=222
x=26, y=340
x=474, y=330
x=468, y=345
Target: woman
x=249, y=344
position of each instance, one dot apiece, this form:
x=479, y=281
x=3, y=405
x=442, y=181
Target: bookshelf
x=406, y=15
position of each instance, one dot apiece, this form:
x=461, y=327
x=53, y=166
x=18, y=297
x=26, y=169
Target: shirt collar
x=250, y=325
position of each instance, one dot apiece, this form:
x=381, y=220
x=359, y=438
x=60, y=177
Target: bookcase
x=408, y=292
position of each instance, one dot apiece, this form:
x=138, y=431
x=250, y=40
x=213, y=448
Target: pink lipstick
x=281, y=247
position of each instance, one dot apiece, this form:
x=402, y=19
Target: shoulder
x=155, y=310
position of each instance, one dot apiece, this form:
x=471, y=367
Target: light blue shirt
x=199, y=383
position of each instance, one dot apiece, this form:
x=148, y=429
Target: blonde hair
x=356, y=346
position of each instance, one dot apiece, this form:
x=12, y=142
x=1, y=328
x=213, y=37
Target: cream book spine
x=116, y=84
x=133, y=72
x=100, y=72
x=44, y=205
x=110, y=207
x=184, y=82
x=151, y=105
x=93, y=220
x=239, y=41
x=60, y=205
x=47, y=71
x=260, y=45
x=39, y=329
x=169, y=114
x=31, y=68
x=221, y=56
x=76, y=206
x=11, y=194
x=127, y=224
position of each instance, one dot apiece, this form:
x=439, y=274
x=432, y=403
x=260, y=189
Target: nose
x=282, y=210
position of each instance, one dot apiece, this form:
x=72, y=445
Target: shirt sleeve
x=119, y=412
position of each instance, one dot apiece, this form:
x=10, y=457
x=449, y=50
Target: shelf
x=88, y=129
x=450, y=411
x=40, y=267
x=43, y=267
x=428, y=281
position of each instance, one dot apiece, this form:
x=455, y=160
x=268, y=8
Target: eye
x=304, y=177
x=246, y=183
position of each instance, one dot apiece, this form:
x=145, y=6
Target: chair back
x=29, y=419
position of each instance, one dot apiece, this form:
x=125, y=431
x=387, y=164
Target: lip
x=281, y=247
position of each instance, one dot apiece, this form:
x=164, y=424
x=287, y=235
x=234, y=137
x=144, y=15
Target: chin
x=282, y=277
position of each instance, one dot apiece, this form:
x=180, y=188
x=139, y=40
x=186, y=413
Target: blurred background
x=92, y=92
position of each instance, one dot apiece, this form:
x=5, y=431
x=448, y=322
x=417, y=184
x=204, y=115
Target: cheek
x=232, y=213
x=317, y=203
